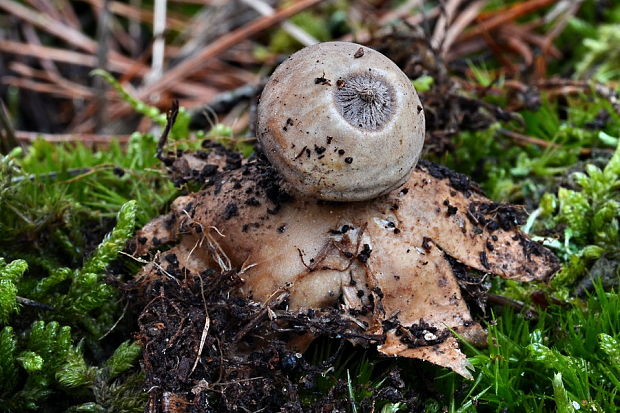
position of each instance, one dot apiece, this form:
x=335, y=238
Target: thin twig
x=50, y=175
x=524, y=139
x=171, y=116
x=116, y=322
x=135, y=31
x=571, y=9
x=67, y=56
x=196, y=62
x=443, y=23
x=529, y=312
x=398, y=13
x=33, y=303
x=418, y=18
x=102, y=63
x=68, y=14
x=47, y=23
x=222, y=103
x=56, y=28
x=207, y=25
x=86, y=138
x=514, y=12
x=8, y=140
x=67, y=86
x=32, y=38
x=461, y=21
x=134, y=12
x=577, y=86
x=159, y=42
x=205, y=328
x=43, y=87
x=276, y=298
x=295, y=31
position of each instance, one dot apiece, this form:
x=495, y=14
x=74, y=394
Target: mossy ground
x=66, y=329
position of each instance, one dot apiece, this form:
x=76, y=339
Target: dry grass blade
x=514, y=12
x=46, y=8
x=400, y=12
x=556, y=86
x=32, y=38
x=66, y=56
x=561, y=22
x=207, y=25
x=145, y=16
x=530, y=140
x=498, y=31
x=199, y=2
x=445, y=19
x=459, y=24
x=60, y=30
x=418, y=18
x=42, y=87
x=194, y=63
x=159, y=42
x=298, y=33
x=103, y=36
x=69, y=16
x=47, y=23
x=63, y=84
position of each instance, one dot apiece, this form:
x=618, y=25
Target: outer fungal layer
x=341, y=122
x=388, y=263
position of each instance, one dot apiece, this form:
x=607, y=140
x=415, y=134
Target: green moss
x=10, y=274
x=45, y=356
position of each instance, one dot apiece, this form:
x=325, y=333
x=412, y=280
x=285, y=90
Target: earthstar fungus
x=390, y=264
x=341, y=122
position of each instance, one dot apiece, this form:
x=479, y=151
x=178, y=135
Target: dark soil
x=208, y=350
x=238, y=360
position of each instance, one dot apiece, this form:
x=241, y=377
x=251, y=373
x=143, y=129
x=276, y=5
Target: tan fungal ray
x=386, y=256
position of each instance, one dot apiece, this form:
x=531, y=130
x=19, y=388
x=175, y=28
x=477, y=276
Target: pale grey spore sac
x=365, y=101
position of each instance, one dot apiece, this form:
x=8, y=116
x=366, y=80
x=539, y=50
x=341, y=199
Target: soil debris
x=310, y=269
x=244, y=363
